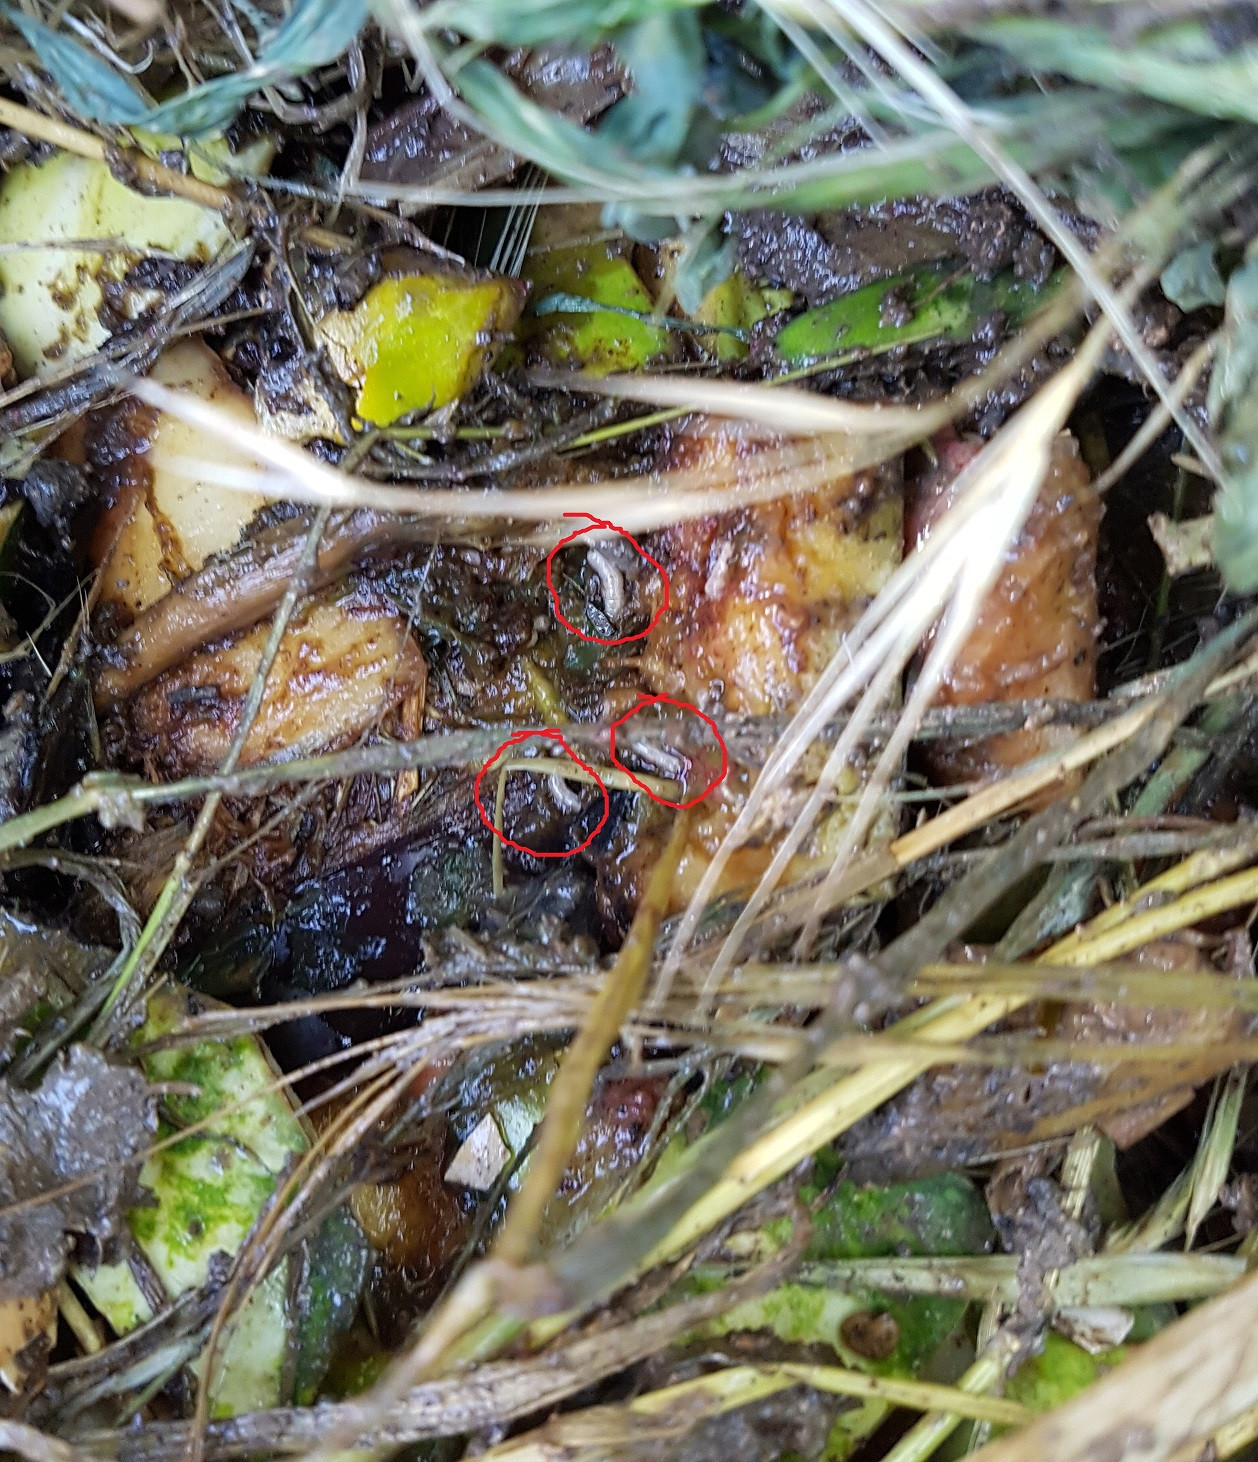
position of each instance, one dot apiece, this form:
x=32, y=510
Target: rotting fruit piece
x=419, y=342
x=49, y=308
x=162, y=520
x=570, y=259
x=345, y=662
x=761, y=597
x=209, y=1189
x=761, y=600
x=1036, y=632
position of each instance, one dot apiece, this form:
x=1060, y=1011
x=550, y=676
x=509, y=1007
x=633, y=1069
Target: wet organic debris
x=677, y=1085
x=80, y=1129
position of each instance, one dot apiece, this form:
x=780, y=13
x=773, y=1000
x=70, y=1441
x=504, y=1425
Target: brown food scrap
x=28, y=1332
x=613, y=1141
x=416, y=1221
x=762, y=596
x=761, y=599
x=1036, y=631
x=232, y=591
x=161, y=520
x=344, y=664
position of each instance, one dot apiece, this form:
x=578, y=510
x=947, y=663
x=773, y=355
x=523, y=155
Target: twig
x=36, y=1446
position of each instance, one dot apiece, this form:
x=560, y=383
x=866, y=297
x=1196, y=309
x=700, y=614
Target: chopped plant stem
x=722, y=1390
x=1124, y=1279
x=36, y=1446
x=1214, y=1156
x=1194, y=1378
x=76, y=1317
x=822, y=1117
x=925, y=1437
x=113, y=795
x=506, y=1390
x=865, y=437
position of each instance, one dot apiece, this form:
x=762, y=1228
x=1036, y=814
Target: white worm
x=659, y=757
x=564, y=798
x=611, y=580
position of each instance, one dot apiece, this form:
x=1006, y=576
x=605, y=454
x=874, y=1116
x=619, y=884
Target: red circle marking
x=551, y=734
x=554, y=593
x=651, y=700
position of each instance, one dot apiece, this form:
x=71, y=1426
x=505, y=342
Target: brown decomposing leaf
x=960, y=1115
x=40, y=969
x=82, y=1125
x=421, y=145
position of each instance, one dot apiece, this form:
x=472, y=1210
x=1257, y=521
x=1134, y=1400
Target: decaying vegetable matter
x=627, y=711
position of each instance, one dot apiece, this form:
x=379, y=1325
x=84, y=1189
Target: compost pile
x=629, y=734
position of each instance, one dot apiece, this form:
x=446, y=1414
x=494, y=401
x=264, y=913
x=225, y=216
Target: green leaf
x=536, y=22
x=334, y=1264
x=706, y=260
x=941, y=303
x=552, y=141
x=1192, y=278
x=664, y=54
x=87, y=83
x=1234, y=409
x=1036, y=131
x=315, y=33
x=1184, y=65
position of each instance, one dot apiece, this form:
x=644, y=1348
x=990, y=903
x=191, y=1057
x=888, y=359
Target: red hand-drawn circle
x=651, y=700
x=543, y=768
x=554, y=593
